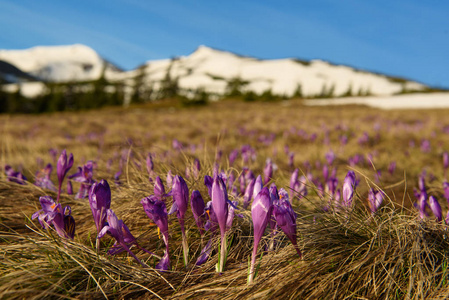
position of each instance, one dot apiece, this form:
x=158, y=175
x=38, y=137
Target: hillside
x=213, y=71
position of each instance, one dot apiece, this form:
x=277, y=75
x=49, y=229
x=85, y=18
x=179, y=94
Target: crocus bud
x=436, y=208
x=392, y=167
x=208, y=181
x=100, y=202
x=375, y=199
x=220, y=202
x=348, y=188
x=286, y=219
x=220, y=207
x=159, y=189
x=294, y=180
x=69, y=188
x=198, y=210
x=248, y=193
x=257, y=186
x=180, y=193
x=446, y=190
x=268, y=171
x=63, y=165
x=196, y=168
x=261, y=210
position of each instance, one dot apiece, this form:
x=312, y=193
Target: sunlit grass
x=347, y=253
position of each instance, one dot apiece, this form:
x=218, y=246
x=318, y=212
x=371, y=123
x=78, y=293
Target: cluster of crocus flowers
x=14, y=176
x=52, y=213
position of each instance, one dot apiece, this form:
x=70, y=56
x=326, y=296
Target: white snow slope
x=58, y=63
x=211, y=70
x=406, y=101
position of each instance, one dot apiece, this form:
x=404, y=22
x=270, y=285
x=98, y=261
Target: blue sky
x=407, y=38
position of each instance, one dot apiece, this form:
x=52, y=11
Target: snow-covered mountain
x=212, y=70
x=206, y=69
x=59, y=63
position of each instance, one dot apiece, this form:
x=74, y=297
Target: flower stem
x=253, y=263
x=222, y=253
x=185, y=248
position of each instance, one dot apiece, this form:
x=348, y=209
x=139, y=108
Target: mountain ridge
x=210, y=70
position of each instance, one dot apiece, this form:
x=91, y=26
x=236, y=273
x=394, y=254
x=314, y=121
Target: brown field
x=392, y=254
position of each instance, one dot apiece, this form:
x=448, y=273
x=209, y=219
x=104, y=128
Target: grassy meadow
x=348, y=253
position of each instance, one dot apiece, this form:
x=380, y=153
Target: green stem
x=185, y=248
x=222, y=253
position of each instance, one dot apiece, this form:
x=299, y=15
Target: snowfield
x=406, y=101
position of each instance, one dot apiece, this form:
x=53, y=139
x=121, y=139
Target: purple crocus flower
x=261, y=212
x=258, y=185
x=294, y=180
x=291, y=159
x=117, y=178
x=180, y=193
x=421, y=195
x=286, y=218
x=62, y=167
x=375, y=199
x=325, y=172
x=157, y=212
x=233, y=156
x=159, y=189
x=349, y=185
x=248, y=193
x=208, y=182
x=435, y=208
x=205, y=253
x=425, y=146
x=123, y=237
x=446, y=190
x=43, y=178
x=169, y=178
x=13, y=176
x=198, y=210
x=196, y=168
x=231, y=214
x=53, y=214
x=84, y=177
x=53, y=153
x=268, y=171
x=220, y=207
x=69, y=188
x=392, y=167
x=100, y=202
x=330, y=157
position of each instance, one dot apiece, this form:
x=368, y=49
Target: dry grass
x=347, y=254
